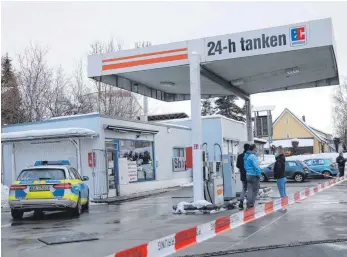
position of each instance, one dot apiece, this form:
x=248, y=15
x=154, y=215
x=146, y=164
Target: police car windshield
x=42, y=174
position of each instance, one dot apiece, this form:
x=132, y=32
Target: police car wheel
x=263, y=178
x=17, y=214
x=78, y=209
x=86, y=206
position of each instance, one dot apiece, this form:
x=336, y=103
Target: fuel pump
x=213, y=178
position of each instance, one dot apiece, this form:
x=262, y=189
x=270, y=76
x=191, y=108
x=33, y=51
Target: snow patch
x=47, y=133
x=268, y=159
x=190, y=184
x=92, y=203
x=313, y=156
x=4, y=196
x=198, y=204
x=288, y=142
x=180, y=208
x=217, y=211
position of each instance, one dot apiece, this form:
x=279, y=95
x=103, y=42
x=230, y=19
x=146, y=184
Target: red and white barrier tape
x=175, y=242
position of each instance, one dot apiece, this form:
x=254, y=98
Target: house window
x=287, y=135
x=178, y=152
x=286, y=120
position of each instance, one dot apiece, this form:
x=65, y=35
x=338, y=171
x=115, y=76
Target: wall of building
x=294, y=128
x=28, y=152
x=211, y=133
x=167, y=138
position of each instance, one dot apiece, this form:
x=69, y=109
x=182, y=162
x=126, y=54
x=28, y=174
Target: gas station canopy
x=295, y=56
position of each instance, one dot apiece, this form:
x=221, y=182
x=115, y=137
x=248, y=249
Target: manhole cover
x=64, y=239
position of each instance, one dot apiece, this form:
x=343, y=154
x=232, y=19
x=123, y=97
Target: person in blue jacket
x=253, y=172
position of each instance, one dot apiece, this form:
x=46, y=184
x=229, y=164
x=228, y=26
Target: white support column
x=13, y=162
x=195, y=94
x=79, y=157
x=145, y=106
x=76, y=143
x=250, y=137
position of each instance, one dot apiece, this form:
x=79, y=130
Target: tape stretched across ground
x=175, y=242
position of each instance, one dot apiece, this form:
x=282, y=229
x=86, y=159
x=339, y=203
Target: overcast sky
x=68, y=28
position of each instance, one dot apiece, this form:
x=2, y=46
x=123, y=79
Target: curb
x=129, y=198
x=178, y=241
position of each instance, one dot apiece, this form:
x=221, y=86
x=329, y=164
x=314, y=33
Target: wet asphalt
x=128, y=224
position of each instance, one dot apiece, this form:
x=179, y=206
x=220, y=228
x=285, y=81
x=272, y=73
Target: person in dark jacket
x=279, y=171
x=241, y=166
x=341, y=162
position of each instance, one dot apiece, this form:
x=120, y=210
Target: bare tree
x=140, y=44
x=59, y=103
x=81, y=96
x=340, y=111
x=34, y=80
x=111, y=100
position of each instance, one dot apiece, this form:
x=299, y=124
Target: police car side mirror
x=85, y=178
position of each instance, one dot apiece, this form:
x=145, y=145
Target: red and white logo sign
x=91, y=159
x=196, y=146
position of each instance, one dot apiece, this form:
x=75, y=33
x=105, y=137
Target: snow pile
x=268, y=159
x=187, y=184
x=198, y=204
x=4, y=196
x=288, y=142
x=201, y=203
x=216, y=211
x=313, y=156
x=92, y=203
x=180, y=208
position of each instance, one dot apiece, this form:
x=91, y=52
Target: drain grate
x=65, y=239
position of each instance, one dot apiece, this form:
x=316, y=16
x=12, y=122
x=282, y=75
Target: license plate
x=39, y=188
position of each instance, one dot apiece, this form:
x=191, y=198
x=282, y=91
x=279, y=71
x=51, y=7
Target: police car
x=49, y=186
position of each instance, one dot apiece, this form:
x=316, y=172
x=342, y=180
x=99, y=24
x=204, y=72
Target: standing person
x=240, y=164
x=253, y=172
x=341, y=164
x=279, y=170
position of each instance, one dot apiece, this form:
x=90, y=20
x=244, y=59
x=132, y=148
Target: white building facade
x=120, y=157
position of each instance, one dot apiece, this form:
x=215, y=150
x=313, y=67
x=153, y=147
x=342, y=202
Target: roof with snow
x=263, y=108
x=288, y=142
x=260, y=140
x=47, y=134
x=214, y=116
x=312, y=131
x=167, y=116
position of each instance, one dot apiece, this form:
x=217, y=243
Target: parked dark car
x=296, y=170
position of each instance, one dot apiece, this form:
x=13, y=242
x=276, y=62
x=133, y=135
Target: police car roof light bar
x=59, y=162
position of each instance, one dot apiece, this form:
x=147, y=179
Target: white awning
x=47, y=134
x=260, y=140
x=288, y=142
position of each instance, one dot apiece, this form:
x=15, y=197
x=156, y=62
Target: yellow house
x=288, y=127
